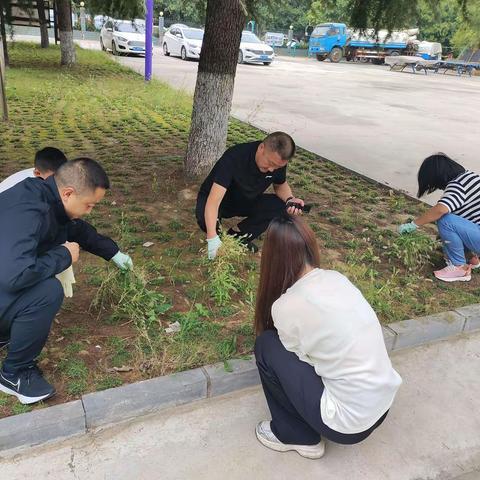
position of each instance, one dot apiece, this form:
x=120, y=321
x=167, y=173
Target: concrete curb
x=116, y=405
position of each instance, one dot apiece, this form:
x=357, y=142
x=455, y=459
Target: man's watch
x=289, y=198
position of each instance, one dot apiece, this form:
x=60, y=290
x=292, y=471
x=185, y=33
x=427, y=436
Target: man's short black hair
x=83, y=174
x=436, y=172
x=281, y=143
x=49, y=159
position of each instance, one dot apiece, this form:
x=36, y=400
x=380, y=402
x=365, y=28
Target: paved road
x=431, y=433
x=374, y=121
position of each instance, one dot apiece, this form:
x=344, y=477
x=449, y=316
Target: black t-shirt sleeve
x=223, y=173
x=280, y=176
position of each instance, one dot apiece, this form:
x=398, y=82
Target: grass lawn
x=113, y=330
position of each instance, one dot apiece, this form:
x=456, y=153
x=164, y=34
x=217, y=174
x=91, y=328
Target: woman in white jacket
x=320, y=351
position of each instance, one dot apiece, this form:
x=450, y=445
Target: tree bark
x=67, y=46
x=3, y=34
x=44, y=42
x=212, y=100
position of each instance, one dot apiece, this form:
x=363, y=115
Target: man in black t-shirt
x=235, y=188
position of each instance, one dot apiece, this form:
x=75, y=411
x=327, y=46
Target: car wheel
x=183, y=54
x=240, y=56
x=114, y=49
x=335, y=55
x=165, y=50
x=102, y=46
x=267, y=63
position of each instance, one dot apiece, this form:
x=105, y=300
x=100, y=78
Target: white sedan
x=253, y=50
x=183, y=41
x=123, y=36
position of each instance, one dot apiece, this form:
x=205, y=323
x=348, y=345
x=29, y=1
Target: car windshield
x=129, y=27
x=320, y=31
x=193, y=34
x=249, y=37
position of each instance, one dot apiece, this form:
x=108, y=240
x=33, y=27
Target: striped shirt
x=462, y=196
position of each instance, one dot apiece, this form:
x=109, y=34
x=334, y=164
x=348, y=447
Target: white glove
x=67, y=279
x=122, y=261
x=213, y=245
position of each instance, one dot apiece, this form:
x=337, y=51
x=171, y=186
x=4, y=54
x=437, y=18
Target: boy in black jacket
x=41, y=237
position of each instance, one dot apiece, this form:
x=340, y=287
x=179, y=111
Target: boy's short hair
x=83, y=174
x=49, y=159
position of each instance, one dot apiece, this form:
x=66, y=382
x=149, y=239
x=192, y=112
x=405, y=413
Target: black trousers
x=27, y=323
x=293, y=391
x=258, y=213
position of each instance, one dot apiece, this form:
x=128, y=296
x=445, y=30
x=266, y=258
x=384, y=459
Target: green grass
x=139, y=132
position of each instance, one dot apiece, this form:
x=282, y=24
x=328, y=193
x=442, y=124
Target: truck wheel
x=394, y=53
x=321, y=58
x=335, y=54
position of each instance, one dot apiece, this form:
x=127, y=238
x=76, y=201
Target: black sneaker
x=244, y=238
x=28, y=385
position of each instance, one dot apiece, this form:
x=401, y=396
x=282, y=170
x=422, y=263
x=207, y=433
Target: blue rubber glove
x=213, y=245
x=407, y=228
x=122, y=261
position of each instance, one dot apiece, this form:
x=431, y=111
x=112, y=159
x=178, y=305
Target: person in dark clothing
x=235, y=188
x=42, y=234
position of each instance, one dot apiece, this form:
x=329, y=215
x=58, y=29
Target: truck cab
x=328, y=40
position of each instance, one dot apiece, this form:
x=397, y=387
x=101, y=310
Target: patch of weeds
x=73, y=348
x=414, y=250
x=227, y=347
x=227, y=310
x=175, y=225
x=76, y=371
x=120, y=353
x=163, y=236
x=19, y=408
x=128, y=293
x=108, y=382
x=173, y=252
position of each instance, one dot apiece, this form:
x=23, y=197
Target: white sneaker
x=267, y=437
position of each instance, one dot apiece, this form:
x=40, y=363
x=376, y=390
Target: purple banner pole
x=148, y=40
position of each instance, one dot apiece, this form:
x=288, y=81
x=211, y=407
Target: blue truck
x=335, y=41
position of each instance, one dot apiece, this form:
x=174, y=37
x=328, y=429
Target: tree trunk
x=67, y=46
x=3, y=34
x=44, y=42
x=215, y=81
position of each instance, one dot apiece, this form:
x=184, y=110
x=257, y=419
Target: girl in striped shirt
x=457, y=214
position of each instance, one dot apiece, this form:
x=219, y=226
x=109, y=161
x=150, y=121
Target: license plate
x=264, y=57
x=138, y=49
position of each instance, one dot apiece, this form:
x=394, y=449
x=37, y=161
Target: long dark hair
x=290, y=245
x=435, y=173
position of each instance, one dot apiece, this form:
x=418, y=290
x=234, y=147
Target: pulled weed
x=413, y=250
x=223, y=272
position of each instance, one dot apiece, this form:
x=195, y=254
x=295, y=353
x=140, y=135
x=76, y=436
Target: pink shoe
x=474, y=262
x=452, y=273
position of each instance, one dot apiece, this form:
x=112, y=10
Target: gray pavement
x=431, y=433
